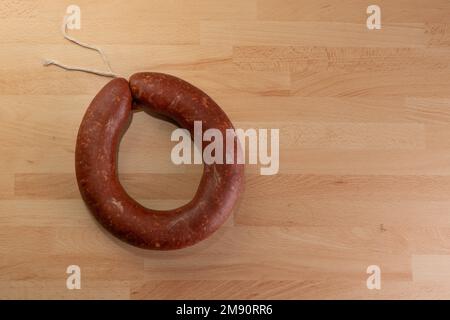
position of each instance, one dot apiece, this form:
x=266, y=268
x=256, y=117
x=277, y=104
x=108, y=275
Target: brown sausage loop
x=106, y=120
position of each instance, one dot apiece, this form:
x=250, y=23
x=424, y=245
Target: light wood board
x=364, y=118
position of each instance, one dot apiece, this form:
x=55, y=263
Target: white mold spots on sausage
x=117, y=204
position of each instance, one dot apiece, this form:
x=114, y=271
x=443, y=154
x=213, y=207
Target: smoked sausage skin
x=105, y=121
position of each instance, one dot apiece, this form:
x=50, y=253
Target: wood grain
x=364, y=119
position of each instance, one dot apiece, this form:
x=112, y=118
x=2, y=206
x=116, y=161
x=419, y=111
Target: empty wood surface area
x=364, y=119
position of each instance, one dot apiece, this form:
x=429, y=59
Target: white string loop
x=110, y=73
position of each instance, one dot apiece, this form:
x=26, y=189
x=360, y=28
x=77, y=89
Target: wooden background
x=364, y=120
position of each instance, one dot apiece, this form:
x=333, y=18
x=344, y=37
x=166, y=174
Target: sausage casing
x=105, y=121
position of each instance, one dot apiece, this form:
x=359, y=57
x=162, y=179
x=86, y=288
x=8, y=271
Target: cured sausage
x=106, y=120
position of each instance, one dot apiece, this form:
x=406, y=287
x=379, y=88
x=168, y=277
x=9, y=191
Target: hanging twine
x=109, y=73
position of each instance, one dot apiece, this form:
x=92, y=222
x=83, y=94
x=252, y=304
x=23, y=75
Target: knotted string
x=109, y=73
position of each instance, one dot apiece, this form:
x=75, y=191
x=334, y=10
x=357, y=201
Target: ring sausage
x=106, y=120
